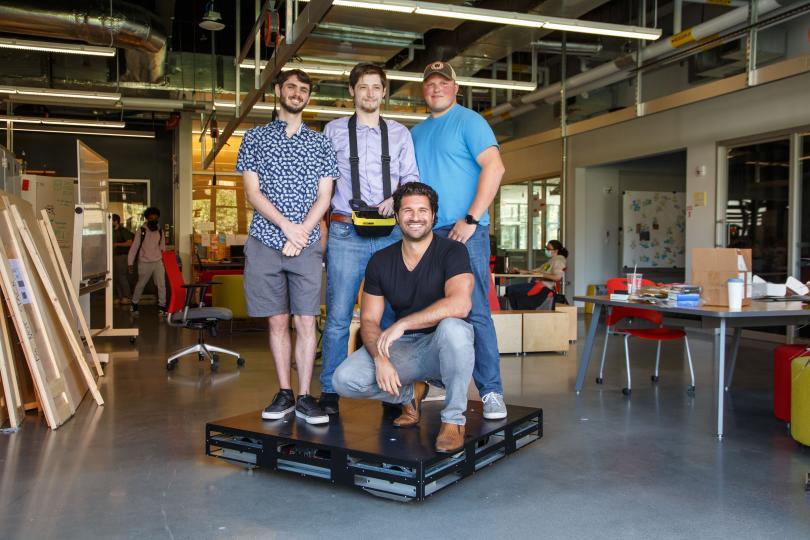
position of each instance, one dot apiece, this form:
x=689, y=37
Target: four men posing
x=421, y=283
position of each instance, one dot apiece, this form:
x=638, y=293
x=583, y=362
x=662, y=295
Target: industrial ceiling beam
x=307, y=20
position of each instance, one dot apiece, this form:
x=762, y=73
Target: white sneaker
x=494, y=406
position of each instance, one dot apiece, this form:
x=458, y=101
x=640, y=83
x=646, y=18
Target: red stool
x=783, y=355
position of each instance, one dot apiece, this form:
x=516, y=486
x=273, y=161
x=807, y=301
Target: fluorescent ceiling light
x=237, y=133
x=406, y=76
x=378, y=5
x=62, y=48
x=481, y=15
x=51, y=92
x=603, y=29
x=503, y=17
x=61, y=121
x=99, y=133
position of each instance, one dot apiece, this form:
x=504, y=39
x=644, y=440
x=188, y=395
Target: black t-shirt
x=409, y=292
x=121, y=234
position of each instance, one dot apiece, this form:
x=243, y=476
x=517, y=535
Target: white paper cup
x=736, y=289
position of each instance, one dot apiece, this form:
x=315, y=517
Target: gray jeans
x=447, y=354
x=155, y=271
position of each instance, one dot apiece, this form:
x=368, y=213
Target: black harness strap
x=357, y=202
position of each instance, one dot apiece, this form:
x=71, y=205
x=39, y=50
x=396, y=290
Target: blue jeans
x=446, y=354
x=347, y=255
x=487, y=373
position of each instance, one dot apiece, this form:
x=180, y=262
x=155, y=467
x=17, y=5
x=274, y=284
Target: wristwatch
x=470, y=220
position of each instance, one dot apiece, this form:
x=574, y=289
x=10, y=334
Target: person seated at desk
x=428, y=281
x=549, y=274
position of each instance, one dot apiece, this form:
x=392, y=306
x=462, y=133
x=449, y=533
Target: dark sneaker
x=133, y=308
x=307, y=409
x=329, y=402
x=283, y=404
x=161, y=310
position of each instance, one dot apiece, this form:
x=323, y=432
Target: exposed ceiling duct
x=127, y=26
x=620, y=68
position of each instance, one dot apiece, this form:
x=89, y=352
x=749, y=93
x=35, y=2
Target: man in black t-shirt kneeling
x=428, y=281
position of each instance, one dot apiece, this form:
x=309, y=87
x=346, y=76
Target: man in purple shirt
x=347, y=252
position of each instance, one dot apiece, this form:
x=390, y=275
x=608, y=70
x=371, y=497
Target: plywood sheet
x=11, y=396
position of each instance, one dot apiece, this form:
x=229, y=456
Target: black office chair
x=201, y=318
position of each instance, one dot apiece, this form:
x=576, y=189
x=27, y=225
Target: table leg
x=735, y=347
x=585, y=359
x=720, y=372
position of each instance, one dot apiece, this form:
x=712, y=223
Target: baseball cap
x=442, y=68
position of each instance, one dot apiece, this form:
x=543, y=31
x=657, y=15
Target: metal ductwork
x=618, y=69
x=127, y=26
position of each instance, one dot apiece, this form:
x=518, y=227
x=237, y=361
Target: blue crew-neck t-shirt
x=446, y=148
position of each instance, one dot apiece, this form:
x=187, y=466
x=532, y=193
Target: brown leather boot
x=450, y=439
x=411, y=410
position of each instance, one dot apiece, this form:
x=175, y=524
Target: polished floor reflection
x=607, y=466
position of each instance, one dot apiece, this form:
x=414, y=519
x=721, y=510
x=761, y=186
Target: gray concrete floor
x=608, y=466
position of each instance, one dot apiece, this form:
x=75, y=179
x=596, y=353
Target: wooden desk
x=712, y=318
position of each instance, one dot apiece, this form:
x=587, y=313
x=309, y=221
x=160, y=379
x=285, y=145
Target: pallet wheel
x=132, y=340
x=654, y=378
x=600, y=380
x=240, y=361
x=626, y=391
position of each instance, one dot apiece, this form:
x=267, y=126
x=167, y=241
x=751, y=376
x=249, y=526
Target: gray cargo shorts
x=276, y=284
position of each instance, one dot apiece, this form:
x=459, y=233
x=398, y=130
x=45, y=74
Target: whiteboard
x=653, y=229
x=93, y=197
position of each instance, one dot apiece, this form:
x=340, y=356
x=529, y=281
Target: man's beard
x=290, y=108
x=413, y=237
x=365, y=107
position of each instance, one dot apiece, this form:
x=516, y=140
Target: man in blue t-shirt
x=428, y=282
x=458, y=156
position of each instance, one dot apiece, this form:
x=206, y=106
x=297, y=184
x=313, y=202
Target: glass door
x=545, y=217
x=512, y=224
x=757, y=215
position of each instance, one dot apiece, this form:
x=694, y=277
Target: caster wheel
x=240, y=361
x=690, y=390
x=215, y=367
x=215, y=356
x=200, y=357
x=170, y=365
x=626, y=391
x=600, y=380
x=654, y=378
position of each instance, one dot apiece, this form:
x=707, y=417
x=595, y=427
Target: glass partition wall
x=526, y=216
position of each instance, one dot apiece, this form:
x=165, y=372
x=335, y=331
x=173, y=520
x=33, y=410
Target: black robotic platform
x=361, y=448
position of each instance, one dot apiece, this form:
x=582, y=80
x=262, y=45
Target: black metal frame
x=390, y=474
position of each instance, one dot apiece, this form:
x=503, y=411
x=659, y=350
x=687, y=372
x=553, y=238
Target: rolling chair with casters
x=180, y=312
x=659, y=334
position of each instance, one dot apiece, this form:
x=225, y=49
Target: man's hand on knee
x=387, y=376
x=388, y=337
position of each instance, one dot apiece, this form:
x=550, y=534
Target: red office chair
x=659, y=334
x=181, y=313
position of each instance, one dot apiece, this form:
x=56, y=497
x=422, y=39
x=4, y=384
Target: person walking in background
x=122, y=240
x=384, y=156
x=459, y=157
x=147, y=252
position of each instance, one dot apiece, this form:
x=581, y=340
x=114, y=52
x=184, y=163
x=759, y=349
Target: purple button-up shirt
x=369, y=150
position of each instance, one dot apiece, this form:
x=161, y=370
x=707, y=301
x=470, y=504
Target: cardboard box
x=713, y=267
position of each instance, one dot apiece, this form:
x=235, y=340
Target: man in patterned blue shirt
x=288, y=170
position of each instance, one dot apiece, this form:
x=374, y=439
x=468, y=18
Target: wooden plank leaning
x=56, y=256
x=44, y=371
x=14, y=410
x=48, y=274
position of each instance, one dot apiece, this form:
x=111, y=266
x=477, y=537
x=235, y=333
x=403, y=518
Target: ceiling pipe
x=607, y=72
x=128, y=26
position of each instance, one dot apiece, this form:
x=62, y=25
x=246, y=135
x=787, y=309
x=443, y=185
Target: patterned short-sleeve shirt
x=289, y=170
